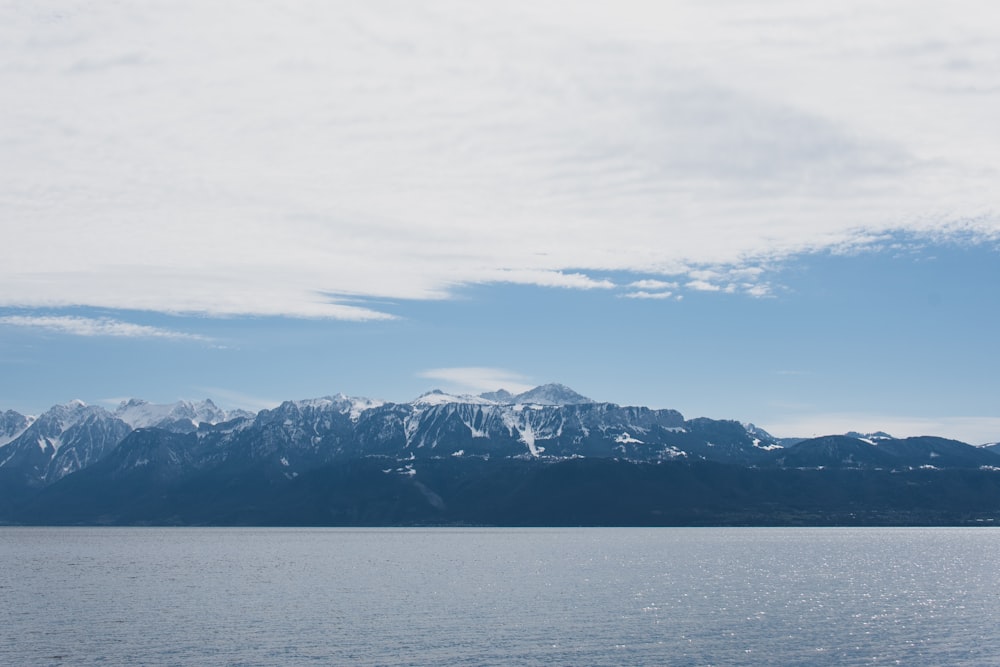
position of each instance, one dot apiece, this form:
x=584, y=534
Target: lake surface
x=668, y=596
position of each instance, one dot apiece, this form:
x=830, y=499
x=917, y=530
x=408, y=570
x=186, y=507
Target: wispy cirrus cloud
x=102, y=326
x=396, y=153
x=478, y=379
x=651, y=288
x=239, y=399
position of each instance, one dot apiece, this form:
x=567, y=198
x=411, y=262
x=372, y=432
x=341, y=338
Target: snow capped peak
x=501, y=396
x=552, y=394
x=438, y=397
x=321, y=402
x=432, y=392
x=12, y=424
x=546, y=394
x=47, y=431
x=339, y=402
x=138, y=413
x=870, y=438
x=70, y=413
x=354, y=405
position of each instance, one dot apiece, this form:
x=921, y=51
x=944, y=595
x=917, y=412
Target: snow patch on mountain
x=769, y=447
x=476, y=432
x=355, y=405
x=411, y=426
x=527, y=434
x=870, y=438
x=531, y=425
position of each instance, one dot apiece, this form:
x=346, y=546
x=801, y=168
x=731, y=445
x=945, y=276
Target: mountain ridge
x=440, y=449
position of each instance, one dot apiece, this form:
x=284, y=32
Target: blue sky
x=782, y=214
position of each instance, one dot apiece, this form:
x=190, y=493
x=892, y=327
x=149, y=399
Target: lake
x=592, y=596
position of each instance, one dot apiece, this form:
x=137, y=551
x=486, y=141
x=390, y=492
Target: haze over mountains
x=451, y=459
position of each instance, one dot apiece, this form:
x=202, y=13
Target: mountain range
x=545, y=456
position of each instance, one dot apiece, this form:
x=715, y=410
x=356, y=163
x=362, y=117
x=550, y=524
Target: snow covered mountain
x=12, y=424
x=182, y=416
x=438, y=397
x=63, y=440
x=551, y=394
x=548, y=423
x=70, y=437
x=546, y=394
x=298, y=435
x=494, y=458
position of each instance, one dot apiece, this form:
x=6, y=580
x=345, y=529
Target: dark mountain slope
x=368, y=492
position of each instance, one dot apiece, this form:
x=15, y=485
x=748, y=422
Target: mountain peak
x=552, y=394
x=438, y=397
x=498, y=396
x=869, y=437
x=139, y=413
x=546, y=394
x=12, y=424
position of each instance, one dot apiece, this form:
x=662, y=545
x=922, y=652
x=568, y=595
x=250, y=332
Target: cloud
x=88, y=326
x=642, y=294
x=653, y=285
x=757, y=290
x=238, y=399
x=747, y=280
x=703, y=286
x=476, y=379
x=195, y=158
x=550, y=279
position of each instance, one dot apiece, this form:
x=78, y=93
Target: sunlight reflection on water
x=499, y=596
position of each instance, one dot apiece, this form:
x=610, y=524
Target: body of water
x=671, y=596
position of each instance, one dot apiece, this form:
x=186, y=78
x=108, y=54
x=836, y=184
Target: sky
x=783, y=213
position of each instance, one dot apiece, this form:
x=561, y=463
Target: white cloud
x=88, y=326
x=548, y=279
x=223, y=158
x=642, y=294
x=239, y=399
x=759, y=290
x=477, y=379
x=703, y=286
x=654, y=285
